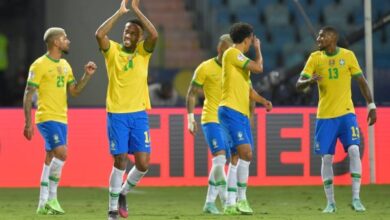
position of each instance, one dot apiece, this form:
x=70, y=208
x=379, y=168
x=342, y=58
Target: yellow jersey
x=127, y=78
x=235, y=81
x=208, y=75
x=51, y=78
x=336, y=70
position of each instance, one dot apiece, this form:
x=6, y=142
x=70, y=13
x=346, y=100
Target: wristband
x=371, y=106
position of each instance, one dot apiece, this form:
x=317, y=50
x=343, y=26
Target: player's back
x=235, y=81
x=208, y=75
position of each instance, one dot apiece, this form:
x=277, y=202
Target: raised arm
x=190, y=103
x=76, y=88
x=28, y=131
x=365, y=90
x=152, y=34
x=256, y=65
x=102, y=31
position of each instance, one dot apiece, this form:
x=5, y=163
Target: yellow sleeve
x=309, y=68
x=199, y=76
x=141, y=49
x=238, y=59
x=110, y=51
x=354, y=67
x=34, y=76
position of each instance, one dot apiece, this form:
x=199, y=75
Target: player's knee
x=353, y=151
x=247, y=155
x=120, y=161
x=143, y=167
x=327, y=160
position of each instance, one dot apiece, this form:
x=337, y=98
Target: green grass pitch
x=290, y=203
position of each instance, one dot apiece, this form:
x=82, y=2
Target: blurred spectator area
x=286, y=41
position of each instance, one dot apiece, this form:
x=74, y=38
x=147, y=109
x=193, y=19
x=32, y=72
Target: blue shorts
x=128, y=132
x=328, y=130
x=55, y=134
x=215, y=138
x=236, y=127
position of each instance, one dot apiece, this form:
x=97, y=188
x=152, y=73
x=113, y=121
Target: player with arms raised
x=127, y=99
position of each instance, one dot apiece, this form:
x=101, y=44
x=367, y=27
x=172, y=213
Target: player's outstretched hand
x=268, y=106
x=135, y=4
x=371, y=118
x=123, y=9
x=28, y=132
x=90, y=68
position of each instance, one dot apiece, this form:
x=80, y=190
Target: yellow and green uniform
x=235, y=81
x=208, y=75
x=334, y=88
x=127, y=79
x=51, y=78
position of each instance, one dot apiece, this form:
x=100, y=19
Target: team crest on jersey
x=214, y=142
x=240, y=136
x=342, y=62
x=331, y=62
x=31, y=75
x=56, y=138
x=241, y=57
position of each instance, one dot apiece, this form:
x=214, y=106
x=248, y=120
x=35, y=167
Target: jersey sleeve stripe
x=246, y=63
x=71, y=81
x=357, y=74
x=32, y=84
x=305, y=75
x=149, y=51
x=196, y=83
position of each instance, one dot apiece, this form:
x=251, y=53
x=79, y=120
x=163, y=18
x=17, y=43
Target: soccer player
x=127, y=100
x=51, y=76
x=234, y=113
x=332, y=68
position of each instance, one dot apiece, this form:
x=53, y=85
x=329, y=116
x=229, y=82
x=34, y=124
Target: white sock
x=54, y=176
x=218, y=168
x=231, y=185
x=355, y=167
x=116, y=179
x=212, y=190
x=327, y=177
x=242, y=178
x=133, y=178
x=44, y=189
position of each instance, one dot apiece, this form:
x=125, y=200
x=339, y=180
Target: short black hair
x=240, y=31
x=137, y=22
x=330, y=29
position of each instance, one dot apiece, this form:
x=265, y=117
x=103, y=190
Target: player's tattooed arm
x=76, y=88
x=192, y=93
x=152, y=34
x=102, y=31
x=366, y=92
x=28, y=131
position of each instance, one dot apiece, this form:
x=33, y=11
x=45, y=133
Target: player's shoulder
x=40, y=61
x=346, y=51
x=316, y=53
